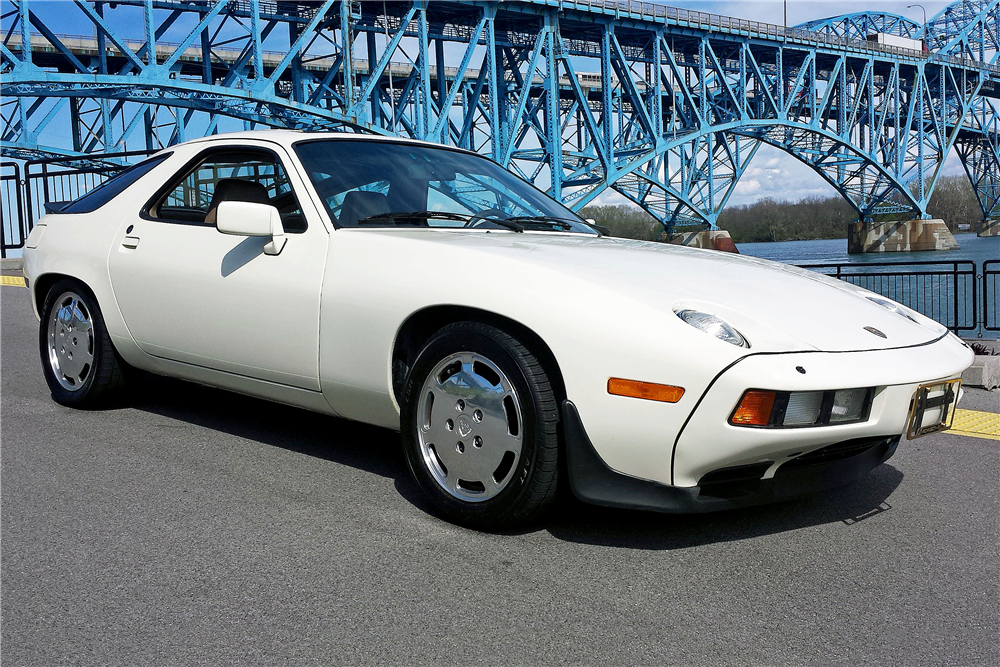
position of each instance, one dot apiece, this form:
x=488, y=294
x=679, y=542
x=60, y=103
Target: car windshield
x=386, y=184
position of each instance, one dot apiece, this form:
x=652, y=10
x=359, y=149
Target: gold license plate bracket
x=933, y=408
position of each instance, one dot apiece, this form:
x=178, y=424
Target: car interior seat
x=359, y=205
x=235, y=189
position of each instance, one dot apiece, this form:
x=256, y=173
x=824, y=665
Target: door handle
x=130, y=242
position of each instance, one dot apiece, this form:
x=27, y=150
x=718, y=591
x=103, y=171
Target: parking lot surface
x=198, y=527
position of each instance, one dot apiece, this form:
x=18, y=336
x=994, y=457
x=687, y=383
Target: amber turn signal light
x=754, y=409
x=647, y=390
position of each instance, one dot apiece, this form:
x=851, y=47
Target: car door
x=192, y=294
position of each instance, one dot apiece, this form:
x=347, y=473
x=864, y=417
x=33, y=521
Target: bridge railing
x=991, y=281
x=25, y=188
x=64, y=179
x=947, y=292
x=13, y=228
x=641, y=10
x=695, y=18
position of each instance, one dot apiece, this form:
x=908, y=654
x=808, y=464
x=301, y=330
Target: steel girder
x=667, y=107
x=971, y=29
x=967, y=28
x=859, y=26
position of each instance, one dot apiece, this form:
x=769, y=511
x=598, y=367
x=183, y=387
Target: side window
x=112, y=187
x=231, y=175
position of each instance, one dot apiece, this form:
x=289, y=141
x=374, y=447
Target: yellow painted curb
x=975, y=424
x=12, y=281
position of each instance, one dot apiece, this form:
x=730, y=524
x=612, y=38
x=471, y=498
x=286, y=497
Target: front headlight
x=889, y=305
x=713, y=326
x=955, y=336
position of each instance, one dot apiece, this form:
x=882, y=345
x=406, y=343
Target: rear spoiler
x=56, y=206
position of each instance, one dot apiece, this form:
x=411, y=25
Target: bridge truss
x=664, y=105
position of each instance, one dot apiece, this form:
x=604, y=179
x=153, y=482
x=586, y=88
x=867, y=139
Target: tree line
x=768, y=219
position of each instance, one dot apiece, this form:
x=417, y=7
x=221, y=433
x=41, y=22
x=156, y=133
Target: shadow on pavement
x=369, y=448
x=378, y=451
x=574, y=521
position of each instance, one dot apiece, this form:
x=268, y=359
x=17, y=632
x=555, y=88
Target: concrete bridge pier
x=899, y=236
x=716, y=239
x=988, y=227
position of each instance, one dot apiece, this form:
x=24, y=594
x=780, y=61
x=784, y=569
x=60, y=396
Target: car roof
x=288, y=137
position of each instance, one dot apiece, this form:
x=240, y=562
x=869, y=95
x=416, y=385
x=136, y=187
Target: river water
x=835, y=250
x=829, y=251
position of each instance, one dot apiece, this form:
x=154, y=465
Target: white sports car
x=516, y=348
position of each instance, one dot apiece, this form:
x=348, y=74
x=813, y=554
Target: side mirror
x=242, y=218
x=600, y=229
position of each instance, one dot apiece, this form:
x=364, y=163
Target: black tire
x=530, y=480
x=100, y=382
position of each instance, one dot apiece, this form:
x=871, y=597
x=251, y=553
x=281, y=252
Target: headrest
x=359, y=205
x=235, y=189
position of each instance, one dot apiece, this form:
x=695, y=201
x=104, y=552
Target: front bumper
x=708, y=442
x=676, y=444
x=830, y=467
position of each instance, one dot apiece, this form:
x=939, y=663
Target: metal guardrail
x=26, y=188
x=64, y=179
x=644, y=11
x=690, y=17
x=13, y=230
x=991, y=279
x=944, y=291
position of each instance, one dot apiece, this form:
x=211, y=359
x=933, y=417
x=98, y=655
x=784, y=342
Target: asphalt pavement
x=198, y=527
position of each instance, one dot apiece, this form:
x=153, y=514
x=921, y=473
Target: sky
x=773, y=173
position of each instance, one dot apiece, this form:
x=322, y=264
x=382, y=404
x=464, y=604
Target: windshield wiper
x=542, y=219
x=509, y=223
x=415, y=215
x=562, y=223
x=440, y=215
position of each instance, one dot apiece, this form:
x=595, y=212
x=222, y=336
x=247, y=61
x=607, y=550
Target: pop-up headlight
x=713, y=326
x=889, y=305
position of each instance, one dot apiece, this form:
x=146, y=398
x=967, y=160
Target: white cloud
x=611, y=198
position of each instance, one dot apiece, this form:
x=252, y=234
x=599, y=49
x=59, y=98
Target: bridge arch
x=858, y=26
x=864, y=182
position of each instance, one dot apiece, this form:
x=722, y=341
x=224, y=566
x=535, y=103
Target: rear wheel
x=78, y=359
x=479, y=422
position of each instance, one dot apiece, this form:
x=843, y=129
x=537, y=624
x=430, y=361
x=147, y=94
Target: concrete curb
x=984, y=372
x=11, y=264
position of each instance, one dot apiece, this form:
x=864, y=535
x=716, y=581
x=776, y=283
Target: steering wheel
x=484, y=217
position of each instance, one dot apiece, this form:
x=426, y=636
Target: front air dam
x=592, y=481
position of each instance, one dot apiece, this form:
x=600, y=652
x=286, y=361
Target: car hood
x=776, y=306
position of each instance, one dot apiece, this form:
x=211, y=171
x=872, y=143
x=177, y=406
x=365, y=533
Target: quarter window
x=112, y=187
x=193, y=197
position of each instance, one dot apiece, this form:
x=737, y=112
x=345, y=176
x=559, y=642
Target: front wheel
x=479, y=427
x=78, y=359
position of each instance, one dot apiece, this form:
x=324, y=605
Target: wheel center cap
x=464, y=426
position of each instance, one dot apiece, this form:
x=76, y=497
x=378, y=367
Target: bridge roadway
x=200, y=527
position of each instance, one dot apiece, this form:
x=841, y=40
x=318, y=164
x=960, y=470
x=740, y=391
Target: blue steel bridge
x=666, y=106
